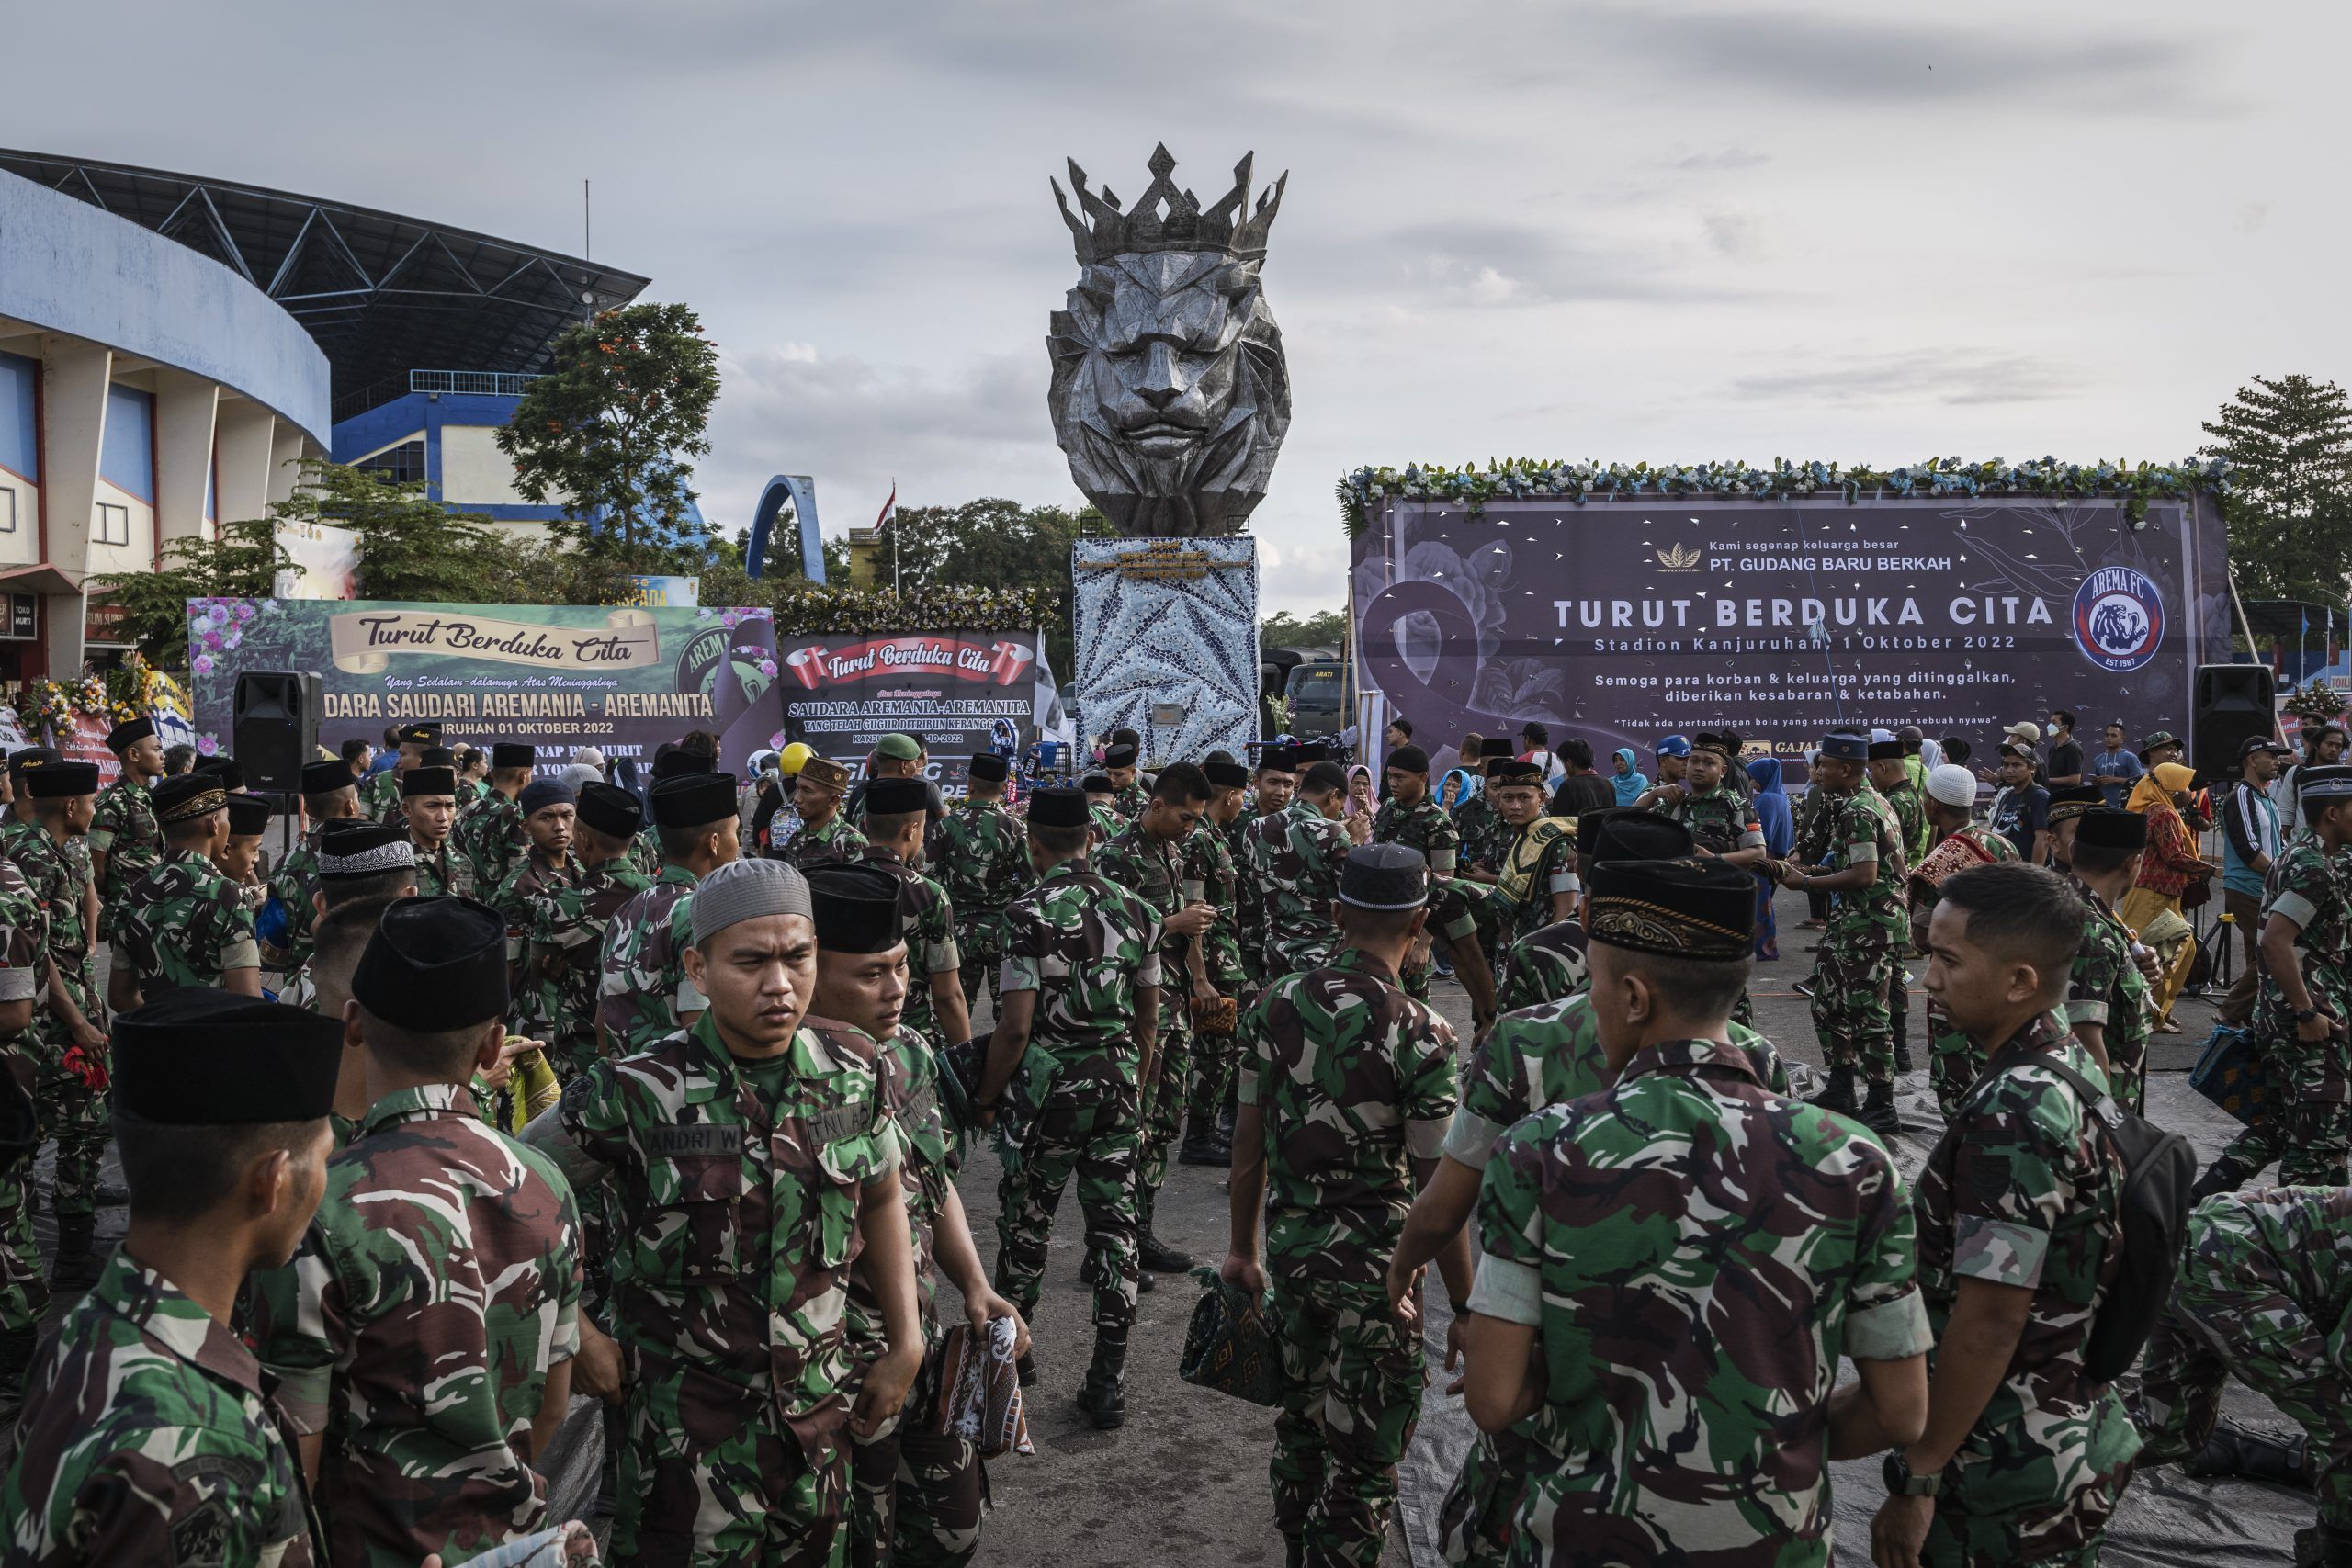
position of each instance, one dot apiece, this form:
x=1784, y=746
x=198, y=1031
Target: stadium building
x=171, y=345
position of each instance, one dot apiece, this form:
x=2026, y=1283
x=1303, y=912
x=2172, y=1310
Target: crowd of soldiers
x=663, y=1101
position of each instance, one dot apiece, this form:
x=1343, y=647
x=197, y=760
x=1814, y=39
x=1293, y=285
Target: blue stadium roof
x=383, y=294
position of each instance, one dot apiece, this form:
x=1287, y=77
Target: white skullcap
x=745, y=890
x=1953, y=784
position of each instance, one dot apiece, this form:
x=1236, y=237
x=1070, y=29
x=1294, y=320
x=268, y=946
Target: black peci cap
x=428, y=780
x=197, y=1057
x=1701, y=909
x=1385, y=876
x=2106, y=828
x=2074, y=800
x=62, y=781
x=988, y=768
x=671, y=760
x=1122, y=755
x=1494, y=748
x=248, y=815
x=355, y=848
x=1624, y=833
x=418, y=735
x=226, y=771
x=1886, y=752
x=691, y=800
x=855, y=906
x=895, y=797
x=610, y=809
x=1227, y=775
x=513, y=754
x=1060, y=808
x=186, y=797
x=325, y=778
x=1409, y=759
x=435, y=964
x=129, y=733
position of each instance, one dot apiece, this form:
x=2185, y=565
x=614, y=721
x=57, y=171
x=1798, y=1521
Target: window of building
x=403, y=464
x=114, y=524
x=7, y=511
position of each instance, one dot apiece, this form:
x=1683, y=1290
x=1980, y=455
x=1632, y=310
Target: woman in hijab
x=1630, y=782
x=1458, y=785
x=2153, y=907
x=1356, y=817
x=1779, y=821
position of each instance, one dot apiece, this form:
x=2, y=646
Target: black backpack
x=2159, y=1167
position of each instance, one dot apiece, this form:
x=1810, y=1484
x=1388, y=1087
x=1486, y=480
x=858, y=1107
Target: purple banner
x=1621, y=621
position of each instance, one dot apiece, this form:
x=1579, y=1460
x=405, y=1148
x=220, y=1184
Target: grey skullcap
x=746, y=889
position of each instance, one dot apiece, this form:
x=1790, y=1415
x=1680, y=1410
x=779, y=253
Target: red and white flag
x=890, y=507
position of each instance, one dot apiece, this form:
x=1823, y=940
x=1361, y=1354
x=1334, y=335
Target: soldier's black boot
x=2322, y=1546
x=1293, y=1551
x=1150, y=1251
x=1104, y=1398
x=16, y=1356
x=1903, y=1039
x=75, y=1266
x=2224, y=1175
x=1877, y=1112
x=1202, y=1146
x=1840, y=1095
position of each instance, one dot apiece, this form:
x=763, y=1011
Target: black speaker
x=2231, y=702
x=274, y=727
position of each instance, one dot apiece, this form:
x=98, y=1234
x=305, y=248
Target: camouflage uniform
x=1545, y=965
x=1295, y=857
x=1911, y=816
x=24, y=942
x=1354, y=1081
x=836, y=840
x=2108, y=990
x=532, y=877
x=1208, y=862
x=1546, y=1055
x=292, y=882
x=1721, y=821
x=415, y=1329
x=444, y=871
x=2306, y=1130
x=1129, y=800
x=379, y=795
x=983, y=861
x=1154, y=872
x=124, y=830
x=563, y=940
x=1485, y=837
x=644, y=995
x=2022, y=1191
x=929, y=921
x=491, y=835
x=1552, y=872
x=1854, y=975
x=71, y=1111
x=1687, y=1424
x=1088, y=947
x=1249, y=898
x=1107, y=825
x=1424, y=826
x=645, y=849
x=731, y=1284
x=2264, y=1287
x=1954, y=1061
x=183, y=924
x=147, y=1439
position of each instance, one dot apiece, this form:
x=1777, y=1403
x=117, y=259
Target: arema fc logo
x=2118, y=619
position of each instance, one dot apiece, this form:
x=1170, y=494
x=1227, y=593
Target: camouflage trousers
x=1095, y=1141
x=1163, y=1110
x=75, y=1114
x=24, y=1288
x=1852, y=981
x=916, y=1496
x=1476, y=1519
x=1214, y=1056
x=751, y=1497
x=1352, y=1395
x=2308, y=1128
x=2030, y=1502
x=2230, y=1313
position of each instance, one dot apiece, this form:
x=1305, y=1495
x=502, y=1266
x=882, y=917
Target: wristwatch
x=1902, y=1481
x=2304, y=1015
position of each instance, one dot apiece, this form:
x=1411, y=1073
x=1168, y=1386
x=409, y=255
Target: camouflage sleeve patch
x=1510, y=1291
x=1891, y=1331
x=1511, y=1196
x=2000, y=1252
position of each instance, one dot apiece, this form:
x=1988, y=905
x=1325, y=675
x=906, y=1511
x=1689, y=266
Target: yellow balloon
x=789, y=763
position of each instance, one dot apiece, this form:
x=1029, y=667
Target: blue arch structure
x=801, y=490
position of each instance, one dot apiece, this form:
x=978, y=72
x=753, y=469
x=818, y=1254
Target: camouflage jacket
x=379, y=795
x=1854, y=828
x=1424, y=825
x=2022, y=1191
x=1088, y=947
x=1911, y=817
x=737, y=1223
x=2297, y=1240
x=55, y=881
x=927, y=920
x=24, y=951
x=1295, y=856
x=124, y=830
x=292, y=882
x=1130, y=800
x=1539, y=864
x=813, y=846
x=562, y=960
x=1249, y=895
x=444, y=871
x=183, y=924
x=532, y=877
x=1485, y=837
x=1690, y=1422
x=1548, y=1054
x=910, y=1074
x=2312, y=888
x=2107, y=988
x=1104, y=825
x=1154, y=872
x=491, y=835
x=146, y=1439
x=983, y=861
x=645, y=849
x=1721, y=821
x=415, y=1327
x=1354, y=1081
x=643, y=995
x=1210, y=863
x=1548, y=965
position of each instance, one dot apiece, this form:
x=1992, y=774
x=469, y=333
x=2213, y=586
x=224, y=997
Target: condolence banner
x=622, y=679
x=955, y=692
x=1623, y=620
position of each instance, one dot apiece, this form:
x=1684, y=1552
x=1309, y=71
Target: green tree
x=610, y=429
x=1325, y=628
x=2290, y=442
x=242, y=563
x=991, y=543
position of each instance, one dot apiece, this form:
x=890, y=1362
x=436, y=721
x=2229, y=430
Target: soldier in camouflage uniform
x=1208, y=862
x=147, y=1436
x=894, y=828
x=490, y=831
x=1548, y=963
x=238, y=859
x=751, y=1155
x=1890, y=773
x=328, y=795
x=917, y=1494
x=2305, y=1002
x=564, y=926
x=1954, y=1062
x=429, y=807
x=1074, y=1045
x=124, y=837
x=983, y=861
x=1535, y=881
x=1104, y=822
x=379, y=793
x=183, y=923
x=1485, y=837
x=1411, y=816
x=2264, y=1286
x=24, y=968
x=2106, y=999
x=69, y=1029
x=1276, y=786
x=426, y=1328
x=1295, y=859
x=2066, y=808
x=1722, y=819
x=1146, y=858
x=1128, y=795
x=825, y=834
x=2021, y=1195
x=644, y=994
x=1693, y=1424
x=1855, y=853
x=550, y=809
x=1345, y=1100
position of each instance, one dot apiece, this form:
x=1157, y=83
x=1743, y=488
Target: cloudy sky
x=1620, y=231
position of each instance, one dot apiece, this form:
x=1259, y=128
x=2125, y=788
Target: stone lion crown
x=1168, y=219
